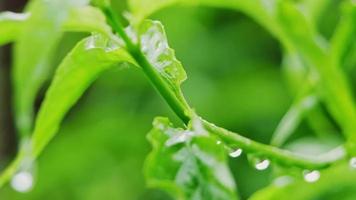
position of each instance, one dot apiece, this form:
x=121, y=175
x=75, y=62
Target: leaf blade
x=33, y=52
x=187, y=164
x=78, y=70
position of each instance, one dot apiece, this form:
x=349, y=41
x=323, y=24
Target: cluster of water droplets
x=258, y=163
x=99, y=41
x=262, y=164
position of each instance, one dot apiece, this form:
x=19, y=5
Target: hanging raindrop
x=236, y=153
x=264, y=164
x=352, y=162
x=311, y=176
x=22, y=181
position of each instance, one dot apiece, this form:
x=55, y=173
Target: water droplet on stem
x=236, y=153
x=22, y=181
x=264, y=164
x=311, y=176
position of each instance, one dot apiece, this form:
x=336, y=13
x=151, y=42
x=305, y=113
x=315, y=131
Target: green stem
x=233, y=139
x=163, y=88
x=281, y=156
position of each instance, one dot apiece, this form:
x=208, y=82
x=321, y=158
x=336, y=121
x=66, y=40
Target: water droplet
x=352, y=162
x=236, y=153
x=283, y=181
x=218, y=142
x=311, y=176
x=262, y=165
x=22, y=182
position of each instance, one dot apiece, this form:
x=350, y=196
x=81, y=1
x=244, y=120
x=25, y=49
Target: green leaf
x=263, y=11
x=154, y=45
x=337, y=182
x=33, y=51
x=288, y=24
x=11, y=26
x=343, y=40
x=141, y=9
x=293, y=117
x=78, y=70
x=101, y=3
x=188, y=164
x=87, y=19
x=297, y=74
x=314, y=9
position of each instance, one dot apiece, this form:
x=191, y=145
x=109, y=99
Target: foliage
x=190, y=162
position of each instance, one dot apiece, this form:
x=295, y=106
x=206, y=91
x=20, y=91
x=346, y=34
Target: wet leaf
x=154, y=45
x=188, y=164
x=33, y=52
x=78, y=70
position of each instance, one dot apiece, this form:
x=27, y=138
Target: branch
x=233, y=139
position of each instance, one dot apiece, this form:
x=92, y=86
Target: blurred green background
x=235, y=80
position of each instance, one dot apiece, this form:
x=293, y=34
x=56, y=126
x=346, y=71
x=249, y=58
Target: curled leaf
x=154, y=45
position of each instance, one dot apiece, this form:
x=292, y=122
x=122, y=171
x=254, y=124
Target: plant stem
x=233, y=139
x=181, y=109
x=281, y=156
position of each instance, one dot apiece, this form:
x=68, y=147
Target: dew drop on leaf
x=236, y=153
x=22, y=181
x=352, y=162
x=262, y=165
x=311, y=176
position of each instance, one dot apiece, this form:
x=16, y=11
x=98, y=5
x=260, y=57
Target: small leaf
x=33, y=53
x=87, y=19
x=78, y=70
x=32, y=68
x=154, y=45
x=188, y=164
x=11, y=25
